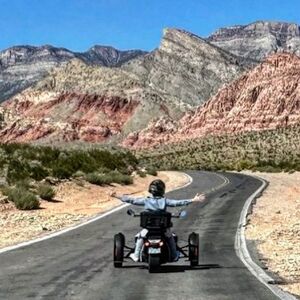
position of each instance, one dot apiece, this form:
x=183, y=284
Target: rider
x=156, y=202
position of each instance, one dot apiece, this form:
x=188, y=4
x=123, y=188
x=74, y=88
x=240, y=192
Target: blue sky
x=127, y=24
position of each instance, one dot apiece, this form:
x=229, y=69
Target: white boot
x=133, y=257
x=137, y=251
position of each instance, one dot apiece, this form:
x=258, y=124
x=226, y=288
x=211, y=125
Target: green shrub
x=62, y=171
x=120, y=178
x=99, y=179
x=5, y=190
x=152, y=171
x=78, y=174
x=111, y=177
x=141, y=173
x=46, y=192
x=38, y=172
x=20, y=161
x=17, y=170
x=23, y=199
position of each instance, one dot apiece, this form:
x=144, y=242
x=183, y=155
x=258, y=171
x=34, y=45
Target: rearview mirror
x=182, y=214
x=130, y=212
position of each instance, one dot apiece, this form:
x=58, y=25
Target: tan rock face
x=65, y=117
x=266, y=97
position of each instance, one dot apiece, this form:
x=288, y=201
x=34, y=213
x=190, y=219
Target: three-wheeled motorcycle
x=155, y=250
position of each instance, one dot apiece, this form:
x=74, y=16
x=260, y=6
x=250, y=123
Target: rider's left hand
x=199, y=198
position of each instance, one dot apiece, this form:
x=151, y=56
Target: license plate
x=154, y=251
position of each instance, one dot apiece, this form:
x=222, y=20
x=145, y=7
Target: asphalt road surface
x=78, y=264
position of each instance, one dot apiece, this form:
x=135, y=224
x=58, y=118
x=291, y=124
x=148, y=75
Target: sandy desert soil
x=275, y=226
x=73, y=203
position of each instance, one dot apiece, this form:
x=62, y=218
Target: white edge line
x=243, y=253
x=93, y=219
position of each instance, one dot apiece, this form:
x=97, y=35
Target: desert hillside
x=266, y=97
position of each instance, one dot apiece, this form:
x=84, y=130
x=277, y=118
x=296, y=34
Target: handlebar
x=179, y=214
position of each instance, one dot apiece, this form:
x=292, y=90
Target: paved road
x=78, y=264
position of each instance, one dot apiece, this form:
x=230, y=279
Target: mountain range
x=189, y=86
x=259, y=39
x=23, y=66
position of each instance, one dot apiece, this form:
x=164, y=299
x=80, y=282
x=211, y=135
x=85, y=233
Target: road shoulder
x=273, y=229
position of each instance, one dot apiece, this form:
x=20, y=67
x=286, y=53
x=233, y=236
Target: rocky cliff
x=185, y=69
x=182, y=73
x=23, y=66
x=266, y=97
x=259, y=39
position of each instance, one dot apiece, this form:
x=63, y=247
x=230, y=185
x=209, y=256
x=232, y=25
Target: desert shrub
x=5, y=190
x=46, y=192
x=37, y=171
x=141, y=173
x=99, y=179
x=62, y=171
x=19, y=161
x=17, y=170
x=79, y=174
x=152, y=171
x=23, y=198
x=120, y=178
x=111, y=177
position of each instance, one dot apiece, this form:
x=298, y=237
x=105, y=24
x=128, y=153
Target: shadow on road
x=177, y=268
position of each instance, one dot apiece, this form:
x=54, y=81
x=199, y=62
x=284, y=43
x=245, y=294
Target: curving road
x=78, y=264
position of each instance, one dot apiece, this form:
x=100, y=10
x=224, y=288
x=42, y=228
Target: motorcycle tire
x=194, y=249
x=119, y=243
x=153, y=263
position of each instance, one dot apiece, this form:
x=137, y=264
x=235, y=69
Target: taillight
x=154, y=243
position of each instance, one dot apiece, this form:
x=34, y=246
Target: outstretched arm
x=174, y=203
x=127, y=199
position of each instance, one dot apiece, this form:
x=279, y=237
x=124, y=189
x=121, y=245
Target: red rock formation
x=266, y=97
x=65, y=117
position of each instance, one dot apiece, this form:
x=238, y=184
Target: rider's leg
x=135, y=256
x=172, y=245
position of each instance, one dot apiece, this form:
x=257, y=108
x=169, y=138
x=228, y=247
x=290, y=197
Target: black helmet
x=157, y=188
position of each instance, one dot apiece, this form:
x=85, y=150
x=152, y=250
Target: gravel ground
x=275, y=227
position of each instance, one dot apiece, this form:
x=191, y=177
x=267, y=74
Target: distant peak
x=180, y=32
x=102, y=47
x=259, y=27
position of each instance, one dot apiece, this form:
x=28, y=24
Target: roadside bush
x=62, y=171
x=23, y=199
x=38, y=172
x=99, y=179
x=111, y=177
x=17, y=170
x=152, y=171
x=5, y=190
x=120, y=178
x=46, y=192
x=22, y=161
x=141, y=173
